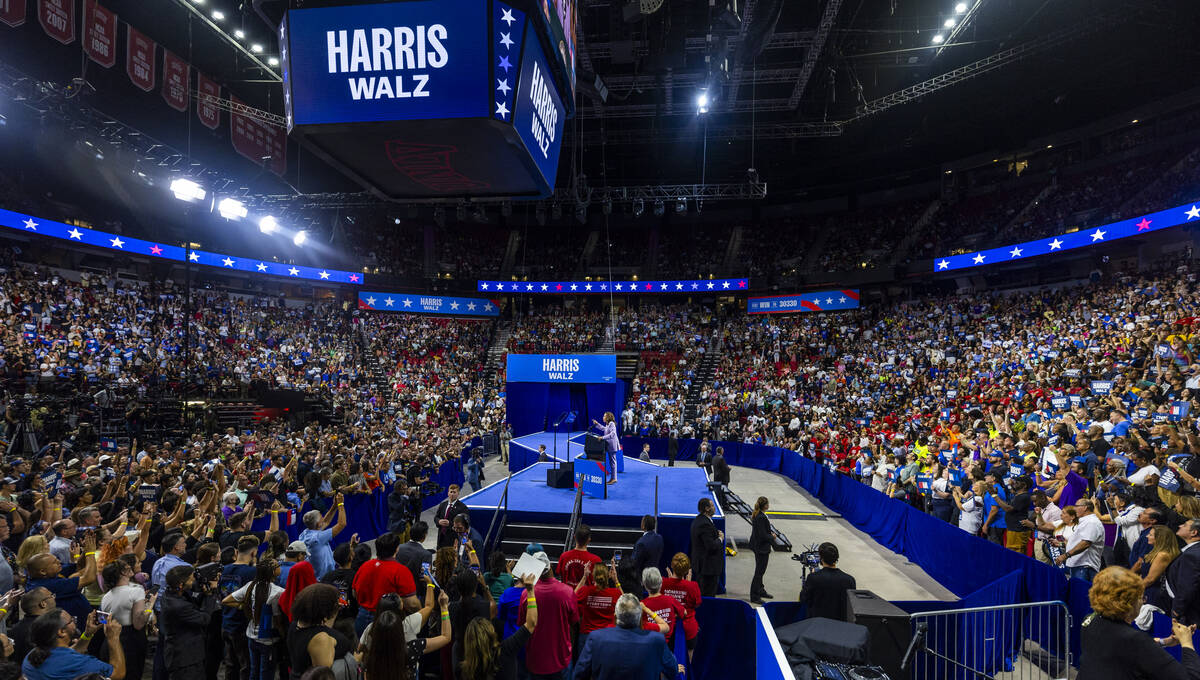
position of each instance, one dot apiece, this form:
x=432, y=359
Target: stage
x=523, y=451
x=530, y=500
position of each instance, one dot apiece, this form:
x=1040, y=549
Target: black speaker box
x=561, y=477
x=888, y=624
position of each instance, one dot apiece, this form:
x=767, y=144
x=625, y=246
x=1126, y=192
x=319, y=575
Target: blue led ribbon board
x=411, y=303
x=823, y=301
x=677, y=286
x=428, y=98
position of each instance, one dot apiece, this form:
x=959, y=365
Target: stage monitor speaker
x=888, y=624
x=561, y=477
x=593, y=447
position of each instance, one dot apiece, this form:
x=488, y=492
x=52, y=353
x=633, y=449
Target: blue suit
x=625, y=654
x=647, y=552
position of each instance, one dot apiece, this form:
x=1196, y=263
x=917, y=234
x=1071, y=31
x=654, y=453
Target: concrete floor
x=889, y=575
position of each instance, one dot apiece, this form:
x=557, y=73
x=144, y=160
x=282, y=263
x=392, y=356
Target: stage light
x=639, y=207
x=960, y=7
x=218, y=15
x=681, y=205
x=268, y=225
x=187, y=190
x=300, y=237
x=937, y=39
x=273, y=61
x=659, y=209
x=949, y=23
x=256, y=48
x=396, y=220
x=231, y=209
x=1132, y=122
x=702, y=102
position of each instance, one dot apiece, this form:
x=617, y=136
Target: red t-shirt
x=668, y=608
x=688, y=594
x=549, y=649
x=380, y=577
x=596, y=607
x=572, y=563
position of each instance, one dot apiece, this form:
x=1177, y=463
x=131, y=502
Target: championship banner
x=207, y=111
x=57, y=18
x=176, y=81
x=139, y=59
x=99, y=34
x=562, y=368
x=256, y=140
x=426, y=304
x=12, y=12
x=825, y=301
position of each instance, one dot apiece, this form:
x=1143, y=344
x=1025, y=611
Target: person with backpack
x=259, y=605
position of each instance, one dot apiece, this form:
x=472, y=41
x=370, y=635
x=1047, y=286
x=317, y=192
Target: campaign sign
x=562, y=368
x=1059, y=403
x=539, y=115
x=426, y=304
x=1179, y=410
x=589, y=474
x=1102, y=387
x=384, y=62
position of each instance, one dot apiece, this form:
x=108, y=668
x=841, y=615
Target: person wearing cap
x=296, y=551
x=549, y=650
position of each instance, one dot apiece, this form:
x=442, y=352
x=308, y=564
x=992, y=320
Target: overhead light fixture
x=639, y=207
x=659, y=208
x=268, y=225
x=681, y=205
x=702, y=102
x=273, y=61
x=239, y=34
x=218, y=15
x=1134, y=121
x=949, y=23
x=231, y=209
x=256, y=48
x=198, y=2
x=187, y=190
x=960, y=7
x=300, y=237
x=937, y=39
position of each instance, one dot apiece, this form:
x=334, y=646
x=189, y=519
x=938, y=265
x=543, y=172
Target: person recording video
x=825, y=590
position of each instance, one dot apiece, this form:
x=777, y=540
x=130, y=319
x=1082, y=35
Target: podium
x=590, y=476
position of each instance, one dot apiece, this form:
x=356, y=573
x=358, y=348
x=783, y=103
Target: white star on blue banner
x=509, y=28
x=685, y=286
x=824, y=301
x=1164, y=219
x=426, y=304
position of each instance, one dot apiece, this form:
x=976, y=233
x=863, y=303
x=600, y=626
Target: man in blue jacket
x=627, y=652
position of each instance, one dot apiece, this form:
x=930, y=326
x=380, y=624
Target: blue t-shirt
x=989, y=502
x=1121, y=429
x=284, y=568
x=65, y=663
x=66, y=595
x=320, y=555
x=233, y=576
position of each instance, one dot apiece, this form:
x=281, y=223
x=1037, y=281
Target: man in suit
x=708, y=548
x=446, y=512
x=413, y=554
x=647, y=552
x=1183, y=576
x=825, y=590
x=672, y=447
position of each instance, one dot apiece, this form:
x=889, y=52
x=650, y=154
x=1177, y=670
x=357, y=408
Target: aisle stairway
x=498, y=348
x=705, y=372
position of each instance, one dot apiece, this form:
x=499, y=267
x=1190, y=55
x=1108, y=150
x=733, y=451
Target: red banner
x=209, y=113
x=12, y=12
x=256, y=140
x=99, y=34
x=139, y=59
x=57, y=18
x=176, y=79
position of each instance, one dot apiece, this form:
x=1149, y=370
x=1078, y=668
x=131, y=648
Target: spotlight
x=239, y=34
x=187, y=190
x=949, y=23
x=396, y=220
x=300, y=237
x=273, y=61
x=639, y=207
x=218, y=15
x=256, y=48
x=937, y=39
x=231, y=209
x=702, y=102
x=960, y=7
x=681, y=205
x=268, y=225
x=659, y=209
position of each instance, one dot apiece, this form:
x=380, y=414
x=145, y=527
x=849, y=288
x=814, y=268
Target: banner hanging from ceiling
x=176, y=81
x=12, y=12
x=258, y=141
x=57, y=18
x=139, y=59
x=99, y=34
x=206, y=109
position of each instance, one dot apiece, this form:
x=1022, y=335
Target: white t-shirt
x=412, y=627
x=272, y=601
x=121, y=600
x=880, y=481
x=971, y=517
x=1127, y=523
x=1089, y=529
x=1139, y=478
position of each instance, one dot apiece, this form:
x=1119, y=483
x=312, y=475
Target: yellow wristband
x=89, y=554
x=147, y=611
x=85, y=637
x=430, y=585
x=3, y=611
x=341, y=505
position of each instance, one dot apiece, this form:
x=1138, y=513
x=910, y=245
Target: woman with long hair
x=445, y=562
x=597, y=602
x=679, y=585
x=311, y=639
x=300, y=576
x=761, y=542
x=391, y=655
x=258, y=599
x=128, y=604
x=486, y=658
x=1152, y=568
x=34, y=545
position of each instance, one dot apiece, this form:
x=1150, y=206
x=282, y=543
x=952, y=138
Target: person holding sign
x=612, y=445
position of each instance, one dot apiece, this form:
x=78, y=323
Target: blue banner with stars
x=1164, y=219
x=426, y=304
x=824, y=301
x=508, y=28
x=687, y=286
x=134, y=246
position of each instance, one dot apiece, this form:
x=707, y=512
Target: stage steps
x=705, y=372
x=605, y=540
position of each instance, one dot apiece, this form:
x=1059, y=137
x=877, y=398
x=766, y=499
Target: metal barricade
x=1012, y=642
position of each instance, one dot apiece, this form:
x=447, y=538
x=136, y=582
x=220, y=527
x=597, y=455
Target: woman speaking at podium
x=612, y=445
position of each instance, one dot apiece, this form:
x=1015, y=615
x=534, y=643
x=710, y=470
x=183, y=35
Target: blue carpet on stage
x=523, y=451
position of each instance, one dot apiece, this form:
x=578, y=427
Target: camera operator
x=825, y=590
x=187, y=609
